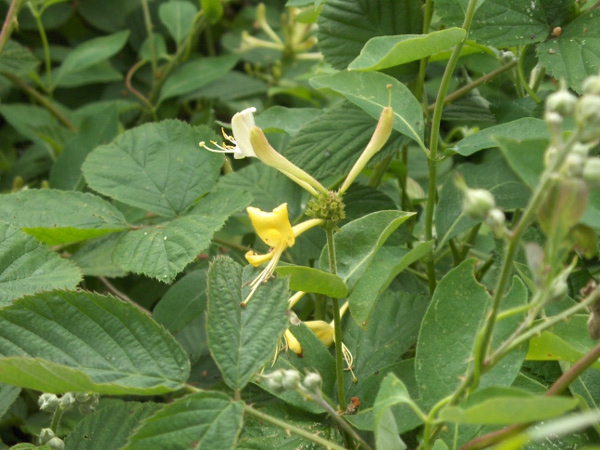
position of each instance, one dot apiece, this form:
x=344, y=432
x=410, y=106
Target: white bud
x=495, y=220
x=574, y=165
x=56, y=444
x=48, y=402
x=477, y=203
x=313, y=382
x=45, y=435
x=558, y=289
x=581, y=149
x=273, y=381
x=588, y=117
x=591, y=85
x=291, y=379
x=591, y=171
x=561, y=102
x=67, y=400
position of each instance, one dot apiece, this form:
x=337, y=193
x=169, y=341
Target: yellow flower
x=275, y=230
x=241, y=124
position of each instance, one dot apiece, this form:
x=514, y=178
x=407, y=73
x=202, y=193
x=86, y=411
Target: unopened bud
x=561, y=102
x=558, y=289
x=591, y=171
x=588, y=117
x=554, y=120
x=56, y=444
x=273, y=381
x=291, y=379
x=478, y=203
x=591, y=85
x=48, y=402
x=507, y=57
x=495, y=220
x=581, y=149
x=574, y=165
x=67, y=400
x=313, y=382
x=46, y=434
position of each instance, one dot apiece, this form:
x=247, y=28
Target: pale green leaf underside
x=308, y=279
x=82, y=341
x=383, y=52
x=26, y=266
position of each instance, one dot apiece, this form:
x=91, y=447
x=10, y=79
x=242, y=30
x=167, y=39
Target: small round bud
x=291, y=379
x=588, y=117
x=581, y=149
x=574, y=165
x=507, y=57
x=56, y=444
x=591, y=171
x=313, y=382
x=561, y=102
x=477, y=203
x=67, y=400
x=591, y=85
x=553, y=119
x=495, y=220
x=273, y=381
x=45, y=435
x=558, y=290
x=48, y=402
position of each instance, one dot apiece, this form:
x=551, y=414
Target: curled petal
x=256, y=259
x=323, y=330
x=292, y=343
x=274, y=228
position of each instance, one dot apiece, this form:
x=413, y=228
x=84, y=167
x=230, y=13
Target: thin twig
x=10, y=22
x=123, y=296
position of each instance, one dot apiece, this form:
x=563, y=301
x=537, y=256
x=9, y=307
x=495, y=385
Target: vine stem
x=435, y=138
x=151, y=43
x=292, y=429
x=10, y=22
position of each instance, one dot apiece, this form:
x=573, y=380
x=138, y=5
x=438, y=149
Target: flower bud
x=56, y=444
x=558, y=290
x=291, y=379
x=67, y=400
x=477, y=203
x=273, y=381
x=313, y=382
x=591, y=85
x=45, y=435
x=561, y=102
x=581, y=149
x=591, y=171
x=574, y=165
x=588, y=117
x=48, y=402
x=495, y=220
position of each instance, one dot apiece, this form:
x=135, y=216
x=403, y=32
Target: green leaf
x=500, y=23
x=183, y=302
x=203, y=421
x=526, y=157
x=521, y=129
x=509, y=410
x=241, y=340
x=308, y=279
x=102, y=72
x=345, y=26
x=157, y=166
x=59, y=217
x=288, y=120
x=17, y=60
x=575, y=54
x=110, y=426
x=90, y=53
x=36, y=124
x=392, y=392
x=163, y=250
x=26, y=266
x=448, y=332
x=8, y=395
x=212, y=9
x=387, y=264
x=368, y=91
x=94, y=257
x=79, y=341
x=192, y=75
x=358, y=241
x=388, y=51
x=178, y=16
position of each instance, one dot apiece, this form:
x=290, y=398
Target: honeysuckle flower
x=275, y=230
x=241, y=123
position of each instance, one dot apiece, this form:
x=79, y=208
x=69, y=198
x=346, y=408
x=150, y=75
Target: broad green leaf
x=358, y=241
x=203, y=421
x=520, y=129
x=100, y=127
x=163, y=250
x=361, y=200
x=63, y=341
x=60, y=217
x=36, y=124
x=8, y=395
x=94, y=257
x=102, y=72
x=388, y=51
x=387, y=264
x=157, y=166
x=101, y=13
x=510, y=410
x=575, y=54
x=212, y=9
x=183, y=302
x=232, y=87
x=288, y=120
x=500, y=23
x=192, y=75
x=110, y=426
x=392, y=392
x=369, y=91
x=565, y=341
x=308, y=279
x=178, y=16
x=526, y=157
x=90, y=53
x=17, y=60
x=26, y=266
x=586, y=385
x=332, y=144
x=241, y=340
x=345, y=26
x=448, y=332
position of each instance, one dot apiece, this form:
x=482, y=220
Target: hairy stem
x=10, y=22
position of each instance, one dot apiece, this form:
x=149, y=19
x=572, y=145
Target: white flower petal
x=241, y=123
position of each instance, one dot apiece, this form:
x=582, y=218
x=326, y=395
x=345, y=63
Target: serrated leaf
x=163, y=250
x=308, y=279
x=345, y=26
x=241, y=340
x=575, y=54
x=60, y=217
x=157, y=166
x=26, y=266
x=288, y=120
x=203, y=421
x=17, y=60
x=194, y=74
x=63, y=341
x=383, y=52
x=89, y=53
x=178, y=16
x=109, y=427
x=526, y=157
x=358, y=241
x=386, y=265
x=368, y=90
x=94, y=258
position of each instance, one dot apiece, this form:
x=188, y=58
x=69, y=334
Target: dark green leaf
x=178, y=16
x=307, y=279
x=17, y=60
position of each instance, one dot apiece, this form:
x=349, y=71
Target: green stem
x=521, y=76
x=150, y=33
x=292, y=429
x=47, y=60
x=379, y=171
x=428, y=13
x=58, y=412
x=10, y=22
x=434, y=141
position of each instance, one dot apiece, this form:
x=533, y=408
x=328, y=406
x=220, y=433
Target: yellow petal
x=323, y=330
x=293, y=343
x=274, y=228
x=257, y=260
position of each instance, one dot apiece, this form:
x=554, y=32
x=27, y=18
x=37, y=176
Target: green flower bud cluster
x=329, y=207
x=290, y=380
x=86, y=402
x=47, y=437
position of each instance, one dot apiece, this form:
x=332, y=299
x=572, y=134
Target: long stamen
x=266, y=273
x=349, y=361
